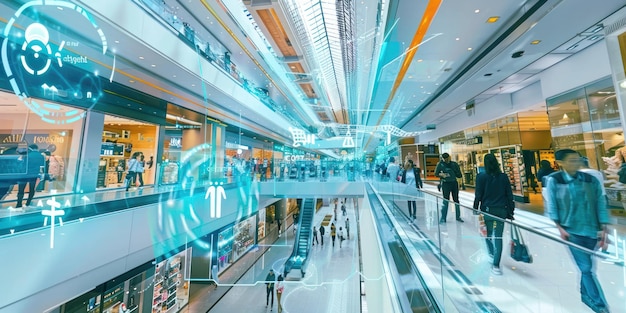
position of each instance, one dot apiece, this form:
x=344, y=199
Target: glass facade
x=587, y=120
x=58, y=144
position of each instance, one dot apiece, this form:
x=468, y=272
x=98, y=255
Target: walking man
x=322, y=232
x=449, y=171
x=315, y=236
x=348, y=227
x=333, y=233
x=578, y=208
x=269, y=287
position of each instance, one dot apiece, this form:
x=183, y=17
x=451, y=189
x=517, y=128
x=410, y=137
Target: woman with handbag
x=494, y=197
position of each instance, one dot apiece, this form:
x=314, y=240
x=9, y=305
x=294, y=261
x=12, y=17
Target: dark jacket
x=452, y=168
x=35, y=161
x=494, y=192
x=418, y=179
x=543, y=172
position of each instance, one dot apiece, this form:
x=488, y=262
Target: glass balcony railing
x=453, y=261
x=211, y=50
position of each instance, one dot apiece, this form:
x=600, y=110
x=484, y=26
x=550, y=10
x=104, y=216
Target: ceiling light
x=131, y=81
x=117, y=41
x=174, y=76
x=623, y=84
x=572, y=47
x=493, y=19
x=469, y=49
x=477, y=11
x=441, y=61
x=193, y=85
x=457, y=39
x=419, y=60
x=535, y=42
x=421, y=86
x=153, y=65
x=141, y=58
x=293, y=67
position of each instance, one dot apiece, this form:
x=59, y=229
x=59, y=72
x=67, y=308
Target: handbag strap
x=516, y=234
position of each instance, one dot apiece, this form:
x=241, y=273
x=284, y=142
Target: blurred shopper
x=333, y=233
x=322, y=232
x=45, y=175
x=411, y=177
x=280, y=287
x=315, y=236
x=545, y=169
x=340, y=235
x=348, y=227
x=35, y=165
x=269, y=288
x=141, y=169
x=449, y=171
x=576, y=205
x=133, y=167
x=494, y=197
x=393, y=169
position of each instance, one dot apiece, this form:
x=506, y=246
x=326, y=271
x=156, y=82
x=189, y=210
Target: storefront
x=244, y=236
x=587, y=120
x=171, y=287
x=122, y=140
x=59, y=142
x=157, y=288
x=224, y=249
x=519, y=142
x=248, y=155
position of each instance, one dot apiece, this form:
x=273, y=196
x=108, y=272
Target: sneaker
x=495, y=270
x=442, y=221
x=460, y=220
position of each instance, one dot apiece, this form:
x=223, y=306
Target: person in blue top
x=575, y=203
x=494, y=196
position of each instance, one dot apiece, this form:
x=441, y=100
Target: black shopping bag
x=519, y=249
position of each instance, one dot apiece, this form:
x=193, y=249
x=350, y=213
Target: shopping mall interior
x=182, y=156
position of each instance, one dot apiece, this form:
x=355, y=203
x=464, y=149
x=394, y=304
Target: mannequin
x=620, y=155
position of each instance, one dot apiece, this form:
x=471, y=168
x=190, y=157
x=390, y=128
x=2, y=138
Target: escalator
x=299, y=257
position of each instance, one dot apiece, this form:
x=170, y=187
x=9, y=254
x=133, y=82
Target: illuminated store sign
x=216, y=194
x=176, y=142
x=300, y=137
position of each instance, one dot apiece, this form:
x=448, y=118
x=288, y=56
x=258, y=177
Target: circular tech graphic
x=38, y=66
x=185, y=212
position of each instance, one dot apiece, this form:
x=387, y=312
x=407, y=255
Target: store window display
x=58, y=144
x=587, y=120
x=124, y=140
